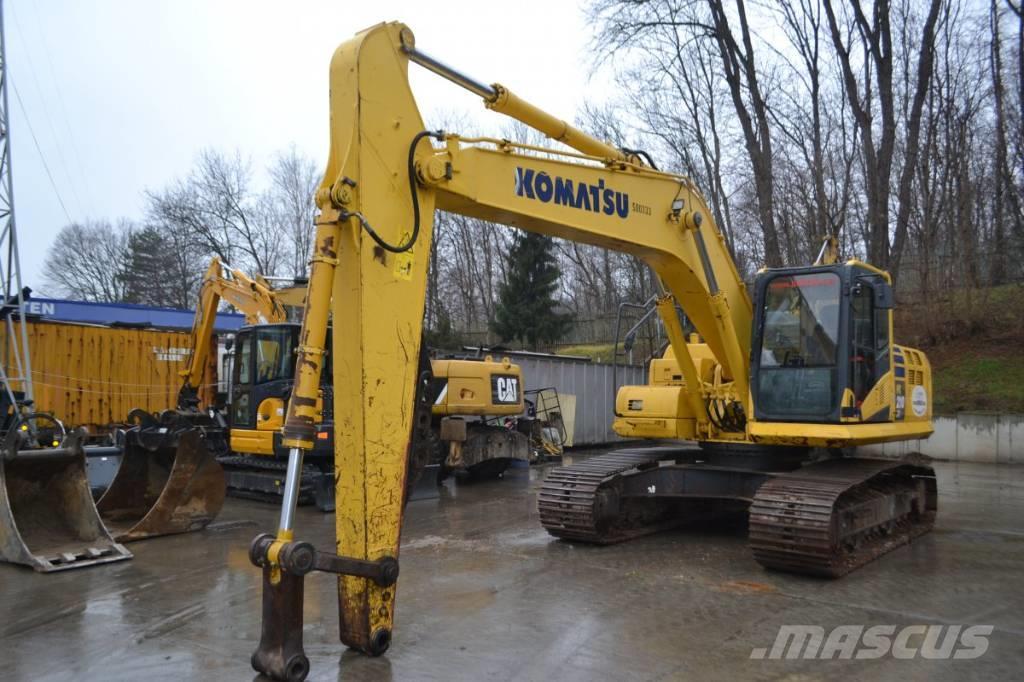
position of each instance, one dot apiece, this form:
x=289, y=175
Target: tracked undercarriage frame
x=824, y=517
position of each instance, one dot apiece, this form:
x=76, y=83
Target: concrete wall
x=967, y=437
x=590, y=382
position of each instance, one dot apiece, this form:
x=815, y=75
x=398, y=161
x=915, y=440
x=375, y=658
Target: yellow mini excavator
x=770, y=397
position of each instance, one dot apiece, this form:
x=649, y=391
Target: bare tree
x=648, y=26
x=876, y=41
x=87, y=261
x=217, y=206
x=751, y=107
x=289, y=201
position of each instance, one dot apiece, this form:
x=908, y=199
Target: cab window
x=244, y=358
x=799, y=346
x=869, y=350
x=275, y=357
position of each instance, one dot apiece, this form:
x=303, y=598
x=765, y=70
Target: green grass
x=974, y=339
x=979, y=383
x=598, y=352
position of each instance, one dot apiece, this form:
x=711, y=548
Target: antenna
x=16, y=365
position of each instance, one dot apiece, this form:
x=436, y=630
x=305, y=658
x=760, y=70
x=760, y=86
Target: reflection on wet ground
x=486, y=593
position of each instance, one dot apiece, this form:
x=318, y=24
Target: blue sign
x=124, y=314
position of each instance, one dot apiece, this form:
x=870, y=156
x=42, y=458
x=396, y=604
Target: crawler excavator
x=809, y=364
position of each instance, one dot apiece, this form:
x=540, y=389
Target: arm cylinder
x=511, y=105
x=300, y=424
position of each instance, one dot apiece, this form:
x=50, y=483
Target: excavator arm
x=252, y=297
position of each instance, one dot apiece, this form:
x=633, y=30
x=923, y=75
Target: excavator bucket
x=169, y=480
x=47, y=516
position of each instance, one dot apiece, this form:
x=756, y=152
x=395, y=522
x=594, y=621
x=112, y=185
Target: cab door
x=243, y=412
x=870, y=347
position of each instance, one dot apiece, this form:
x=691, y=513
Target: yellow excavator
x=759, y=409
x=253, y=297
x=467, y=396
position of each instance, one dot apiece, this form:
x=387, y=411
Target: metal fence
x=590, y=382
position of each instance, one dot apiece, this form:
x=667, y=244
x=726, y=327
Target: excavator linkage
x=169, y=480
x=47, y=516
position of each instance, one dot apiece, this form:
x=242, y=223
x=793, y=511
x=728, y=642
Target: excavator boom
x=252, y=297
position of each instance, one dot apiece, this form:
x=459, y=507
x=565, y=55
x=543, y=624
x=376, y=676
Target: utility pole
x=15, y=365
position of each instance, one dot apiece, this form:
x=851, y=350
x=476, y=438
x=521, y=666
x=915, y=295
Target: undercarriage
x=814, y=513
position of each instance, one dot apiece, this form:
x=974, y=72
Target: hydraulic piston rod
x=501, y=99
x=291, y=489
x=445, y=71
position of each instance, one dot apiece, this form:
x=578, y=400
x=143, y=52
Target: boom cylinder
x=499, y=98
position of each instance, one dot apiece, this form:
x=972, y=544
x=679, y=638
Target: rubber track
x=258, y=465
x=793, y=524
x=568, y=495
x=261, y=464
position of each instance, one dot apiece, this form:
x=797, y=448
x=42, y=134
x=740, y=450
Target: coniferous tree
x=526, y=299
x=163, y=269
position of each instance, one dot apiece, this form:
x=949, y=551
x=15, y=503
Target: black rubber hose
x=436, y=134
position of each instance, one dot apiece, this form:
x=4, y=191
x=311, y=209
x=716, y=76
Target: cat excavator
x=759, y=409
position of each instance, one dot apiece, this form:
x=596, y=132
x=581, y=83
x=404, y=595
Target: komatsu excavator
x=809, y=364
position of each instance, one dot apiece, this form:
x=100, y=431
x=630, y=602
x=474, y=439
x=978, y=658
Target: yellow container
x=93, y=375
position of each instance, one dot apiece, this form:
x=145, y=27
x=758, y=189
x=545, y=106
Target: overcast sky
x=123, y=94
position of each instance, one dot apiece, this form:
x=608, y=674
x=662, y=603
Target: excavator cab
x=263, y=367
x=822, y=347
x=262, y=375
x=261, y=382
